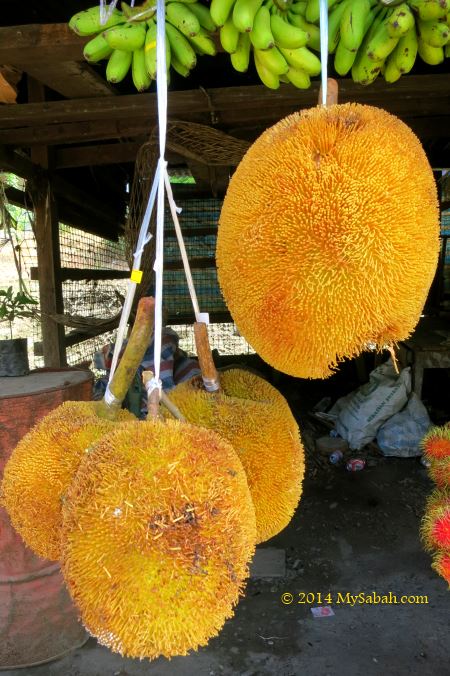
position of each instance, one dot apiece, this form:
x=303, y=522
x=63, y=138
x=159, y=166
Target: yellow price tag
x=151, y=45
x=136, y=276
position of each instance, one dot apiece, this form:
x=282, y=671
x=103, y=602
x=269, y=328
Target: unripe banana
x=314, y=31
x=97, y=49
x=261, y=35
x=202, y=43
x=406, y=51
x=267, y=77
x=434, y=33
x=313, y=9
x=128, y=37
x=298, y=8
x=429, y=10
x=118, y=65
x=204, y=16
x=220, y=10
x=334, y=22
x=179, y=68
x=400, y=21
x=302, y=59
x=343, y=59
x=151, y=51
x=431, y=55
x=353, y=22
x=273, y=60
x=180, y=47
x=287, y=35
x=298, y=78
x=87, y=22
x=365, y=71
x=382, y=44
x=391, y=72
x=229, y=36
x=244, y=12
x=141, y=78
x=241, y=57
x=447, y=51
x=181, y=17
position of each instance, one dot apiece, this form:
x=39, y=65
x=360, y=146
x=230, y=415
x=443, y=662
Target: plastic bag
x=363, y=412
x=401, y=434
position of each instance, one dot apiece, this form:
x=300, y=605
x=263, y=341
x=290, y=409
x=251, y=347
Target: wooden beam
x=46, y=231
x=415, y=95
x=35, y=43
x=95, y=155
x=72, y=79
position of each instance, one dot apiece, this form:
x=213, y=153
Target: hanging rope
x=324, y=48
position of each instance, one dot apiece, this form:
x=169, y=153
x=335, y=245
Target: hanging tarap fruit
x=255, y=418
x=44, y=462
x=328, y=237
x=159, y=528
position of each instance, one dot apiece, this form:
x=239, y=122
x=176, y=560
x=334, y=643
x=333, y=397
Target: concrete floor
x=352, y=533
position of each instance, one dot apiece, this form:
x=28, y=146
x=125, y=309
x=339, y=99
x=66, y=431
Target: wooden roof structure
x=75, y=137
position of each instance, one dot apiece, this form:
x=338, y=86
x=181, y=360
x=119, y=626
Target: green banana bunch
x=128, y=39
x=367, y=37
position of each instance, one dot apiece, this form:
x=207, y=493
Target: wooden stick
x=332, y=92
x=209, y=372
x=153, y=397
x=154, y=400
x=131, y=358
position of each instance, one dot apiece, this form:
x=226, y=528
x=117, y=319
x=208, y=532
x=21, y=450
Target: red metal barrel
x=38, y=621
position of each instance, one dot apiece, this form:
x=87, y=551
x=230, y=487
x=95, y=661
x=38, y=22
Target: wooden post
x=48, y=253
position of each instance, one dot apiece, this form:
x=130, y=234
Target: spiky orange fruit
x=435, y=529
x=436, y=443
x=255, y=418
x=42, y=466
x=441, y=565
x=159, y=528
x=325, y=244
x=439, y=472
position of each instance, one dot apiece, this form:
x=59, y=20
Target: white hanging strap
x=199, y=316
x=324, y=48
x=136, y=275
x=106, y=11
x=161, y=90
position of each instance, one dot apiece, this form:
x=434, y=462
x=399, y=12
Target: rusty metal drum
x=38, y=621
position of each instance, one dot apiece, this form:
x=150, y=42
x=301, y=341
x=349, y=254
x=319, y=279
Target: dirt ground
x=352, y=533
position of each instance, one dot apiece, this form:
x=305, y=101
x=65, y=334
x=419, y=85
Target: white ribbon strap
x=324, y=48
x=110, y=398
x=187, y=268
x=106, y=11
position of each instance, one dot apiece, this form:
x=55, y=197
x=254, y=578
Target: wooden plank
x=223, y=317
x=34, y=43
x=46, y=231
x=72, y=79
x=425, y=127
x=77, y=274
x=96, y=155
x=429, y=94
